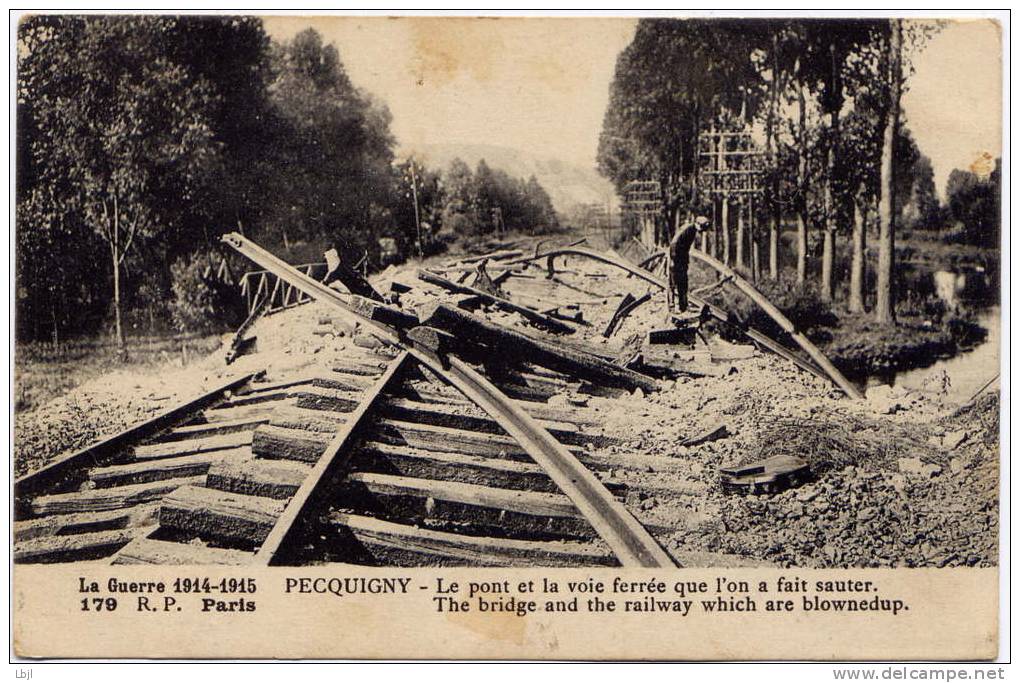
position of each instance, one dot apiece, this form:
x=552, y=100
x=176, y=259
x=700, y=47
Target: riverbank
x=926, y=330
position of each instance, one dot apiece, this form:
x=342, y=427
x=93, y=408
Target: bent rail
x=629, y=541
x=825, y=368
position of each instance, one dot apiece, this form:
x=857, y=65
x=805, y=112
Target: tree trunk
x=726, y=230
x=752, y=234
x=774, y=221
x=741, y=236
x=857, y=261
x=119, y=332
x=828, y=246
x=885, y=303
x=801, y=246
x=115, y=256
x=716, y=229
x=774, y=245
x=801, y=187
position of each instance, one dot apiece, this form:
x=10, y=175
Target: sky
x=542, y=85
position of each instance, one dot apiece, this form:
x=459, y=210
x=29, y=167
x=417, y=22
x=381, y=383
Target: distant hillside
x=567, y=184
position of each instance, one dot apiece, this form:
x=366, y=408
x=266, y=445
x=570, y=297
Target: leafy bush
x=799, y=302
x=201, y=303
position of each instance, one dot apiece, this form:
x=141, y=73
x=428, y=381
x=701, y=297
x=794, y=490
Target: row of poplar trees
x=827, y=95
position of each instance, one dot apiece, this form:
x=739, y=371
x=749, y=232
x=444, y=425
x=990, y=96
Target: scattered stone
x=953, y=439
x=884, y=399
x=918, y=467
x=558, y=400
x=367, y=341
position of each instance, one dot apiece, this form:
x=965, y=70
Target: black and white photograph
x=422, y=292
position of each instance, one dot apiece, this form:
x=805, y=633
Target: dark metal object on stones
x=770, y=475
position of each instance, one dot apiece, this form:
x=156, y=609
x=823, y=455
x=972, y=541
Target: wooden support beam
x=162, y=468
x=74, y=548
x=533, y=316
x=203, y=429
x=208, y=514
x=308, y=419
x=279, y=443
x=471, y=330
x=383, y=458
x=337, y=400
x=257, y=412
x=408, y=546
x=143, y=550
x=206, y=444
x=99, y=500
x=84, y=522
x=486, y=509
x=279, y=479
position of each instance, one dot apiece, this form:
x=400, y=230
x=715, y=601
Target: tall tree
x=333, y=150
x=124, y=131
x=885, y=306
x=974, y=203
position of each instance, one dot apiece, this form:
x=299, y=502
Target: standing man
x=679, y=260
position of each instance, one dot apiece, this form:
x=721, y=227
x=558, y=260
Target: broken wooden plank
x=143, y=550
x=627, y=305
x=717, y=432
x=98, y=500
x=471, y=330
x=351, y=279
x=383, y=314
x=408, y=546
x=530, y=314
x=211, y=514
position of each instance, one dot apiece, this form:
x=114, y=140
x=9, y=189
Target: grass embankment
x=855, y=342
x=44, y=371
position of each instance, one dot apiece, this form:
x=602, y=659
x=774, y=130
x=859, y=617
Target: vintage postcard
x=508, y=337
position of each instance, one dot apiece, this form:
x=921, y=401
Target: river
x=967, y=372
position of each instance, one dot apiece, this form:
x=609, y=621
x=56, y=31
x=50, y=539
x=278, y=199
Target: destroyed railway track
x=373, y=461
x=418, y=460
